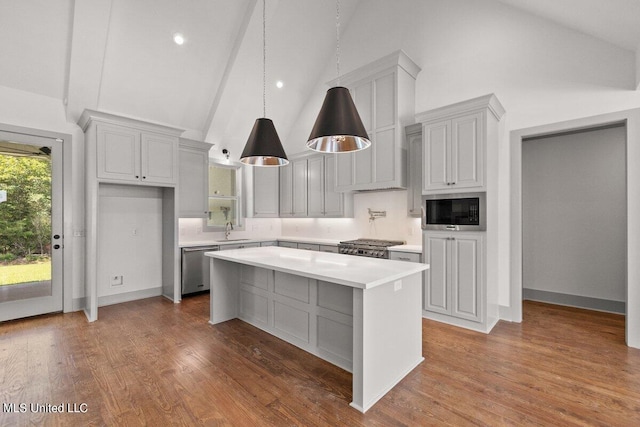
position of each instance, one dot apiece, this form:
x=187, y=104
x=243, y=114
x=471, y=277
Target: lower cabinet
x=314, y=315
x=239, y=246
x=405, y=256
x=454, y=282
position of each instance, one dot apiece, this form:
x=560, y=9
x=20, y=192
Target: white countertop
x=347, y=270
x=416, y=249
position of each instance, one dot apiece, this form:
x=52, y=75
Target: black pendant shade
x=263, y=148
x=338, y=128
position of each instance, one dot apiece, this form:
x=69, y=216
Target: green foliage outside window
x=25, y=218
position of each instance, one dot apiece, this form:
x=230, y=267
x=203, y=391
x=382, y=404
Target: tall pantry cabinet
x=131, y=210
x=460, y=153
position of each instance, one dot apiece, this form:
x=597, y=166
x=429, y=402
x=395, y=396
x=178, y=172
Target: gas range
x=368, y=247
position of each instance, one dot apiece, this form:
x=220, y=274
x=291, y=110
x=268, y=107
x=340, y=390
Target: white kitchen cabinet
x=454, y=283
x=384, y=94
x=329, y=248
x=454, y=153
x=264, y=195
x=309, y=246
x=414, y=170
x=129, y=154
x=122, y=155
x=404, y=256
x=323, y=200
x=239, y=246
x=293, y=189
x=455, y=144
x=193, y=178
x=284, y=244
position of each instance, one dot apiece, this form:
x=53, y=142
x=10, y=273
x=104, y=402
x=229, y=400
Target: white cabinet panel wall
x=314, y=315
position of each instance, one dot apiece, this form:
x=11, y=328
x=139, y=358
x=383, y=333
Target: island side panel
x=387, y=337
x=224, y=290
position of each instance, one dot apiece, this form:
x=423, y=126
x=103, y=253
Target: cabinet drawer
x=239, y=246
x=404, y=256
x=308, y=246
x=329, y=248
x=288, y=245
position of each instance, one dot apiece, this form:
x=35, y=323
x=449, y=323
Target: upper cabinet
x=323, y=200
x=130, y=151
x=384, y=94
x=307, y=188
x=414, y=169
x=264, y=197
x=193, y=178
x=293, y=189
x=455, y=143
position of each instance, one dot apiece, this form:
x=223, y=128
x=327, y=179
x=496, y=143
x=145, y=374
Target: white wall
x=574, y=214
x=129, y=238
x=43, y=114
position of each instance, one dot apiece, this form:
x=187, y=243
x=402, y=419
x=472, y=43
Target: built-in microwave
x=454, y=212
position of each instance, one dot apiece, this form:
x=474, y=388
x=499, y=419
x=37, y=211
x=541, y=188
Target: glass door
x=31, y=240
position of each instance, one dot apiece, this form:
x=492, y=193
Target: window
x=224, y=196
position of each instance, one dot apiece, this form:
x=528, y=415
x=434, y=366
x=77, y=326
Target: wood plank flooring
x=151, y=362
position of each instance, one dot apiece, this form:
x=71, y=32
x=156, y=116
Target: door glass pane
x=25, y=221
x=222, y=181
x=221, y=211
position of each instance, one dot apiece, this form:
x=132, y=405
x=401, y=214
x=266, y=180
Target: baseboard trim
x=504, y=313
x=578, y=301
x=129, y=296
x=78, y=304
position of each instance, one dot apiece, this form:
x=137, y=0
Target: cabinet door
x=300, y=187
x=286, y=190
x=435, y=151
x=466, y=276
x=159, y=159
x=436, y=287
x=194, y=179
x=467, y=148
x=344, y=174
x=118, y=153
x=266, y=192
x=414, y=175
x=333, y=201
x=315, y=186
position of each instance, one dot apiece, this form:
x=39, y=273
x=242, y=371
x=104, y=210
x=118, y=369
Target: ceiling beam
x=91, y=19
x=233, y=54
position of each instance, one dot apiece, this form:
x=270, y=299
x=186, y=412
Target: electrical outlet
x=116, y=280
x=134, y=232
x=397, y=285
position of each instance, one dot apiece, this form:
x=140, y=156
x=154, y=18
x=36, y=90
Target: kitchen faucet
x=227, y=230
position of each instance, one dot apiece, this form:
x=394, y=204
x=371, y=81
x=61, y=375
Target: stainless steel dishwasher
x=195, y=269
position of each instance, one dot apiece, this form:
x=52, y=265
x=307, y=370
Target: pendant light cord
x=338, y=41
x=264, y=59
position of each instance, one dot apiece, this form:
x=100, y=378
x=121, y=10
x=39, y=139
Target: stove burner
x=368, y=247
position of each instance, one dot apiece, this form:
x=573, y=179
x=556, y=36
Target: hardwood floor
x=151, y=362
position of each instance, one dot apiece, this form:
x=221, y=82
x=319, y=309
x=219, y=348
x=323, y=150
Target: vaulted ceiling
x=119, y=55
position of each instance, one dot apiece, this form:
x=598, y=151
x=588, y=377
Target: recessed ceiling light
x=279, y=84
x=179, y=39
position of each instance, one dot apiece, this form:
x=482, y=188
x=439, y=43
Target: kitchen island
x=362, y=314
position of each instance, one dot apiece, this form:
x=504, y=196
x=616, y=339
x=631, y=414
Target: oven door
x=454, y=212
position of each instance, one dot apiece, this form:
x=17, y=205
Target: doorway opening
x=574, y=218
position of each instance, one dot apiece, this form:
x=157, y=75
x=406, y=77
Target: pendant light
x=263, y=148
x=338, y=128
